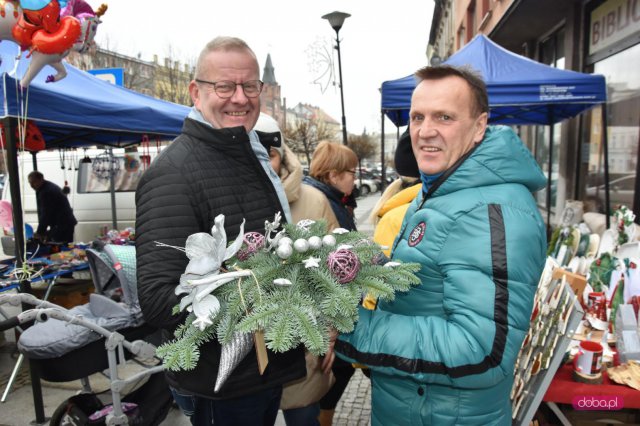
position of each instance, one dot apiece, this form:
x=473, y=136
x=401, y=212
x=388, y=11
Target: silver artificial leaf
x=205, y=308
x=207, y=252
x=231, y=356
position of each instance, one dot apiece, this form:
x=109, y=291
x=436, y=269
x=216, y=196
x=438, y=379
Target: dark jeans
x=259, y=409
x=303, y=416
x=342, y=370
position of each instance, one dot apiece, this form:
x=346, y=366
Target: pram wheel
x=76, y=410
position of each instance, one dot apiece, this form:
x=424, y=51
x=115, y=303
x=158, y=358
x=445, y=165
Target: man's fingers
x=327, y=362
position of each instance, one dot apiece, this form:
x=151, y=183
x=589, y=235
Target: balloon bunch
x=49, y=30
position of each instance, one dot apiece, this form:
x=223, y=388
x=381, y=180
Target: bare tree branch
x=304, y=135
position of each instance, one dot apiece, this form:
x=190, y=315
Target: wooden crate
x=577, y=282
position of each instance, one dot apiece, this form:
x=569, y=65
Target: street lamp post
x=336, y=19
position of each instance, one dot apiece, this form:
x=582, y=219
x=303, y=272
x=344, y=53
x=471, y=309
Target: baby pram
x=72, y=345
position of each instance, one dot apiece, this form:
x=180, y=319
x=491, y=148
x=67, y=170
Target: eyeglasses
x=226, y=89
x=353, y=172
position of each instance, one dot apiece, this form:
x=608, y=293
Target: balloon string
x=22, y=124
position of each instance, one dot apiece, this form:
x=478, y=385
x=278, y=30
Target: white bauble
x=340, y=231
x=301, y=245
x=315, y=242
x=284, y=251
x=282, y=282
x=285, y=241
x=328, y=241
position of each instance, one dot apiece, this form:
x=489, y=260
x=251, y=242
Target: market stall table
x=563, y=389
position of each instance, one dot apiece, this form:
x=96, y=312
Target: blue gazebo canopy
x=82, y=110
x=521, y=91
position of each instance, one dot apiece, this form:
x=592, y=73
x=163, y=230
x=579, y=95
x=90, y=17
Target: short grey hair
x=226, y=44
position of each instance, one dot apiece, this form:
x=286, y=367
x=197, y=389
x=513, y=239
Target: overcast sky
x=379, y=42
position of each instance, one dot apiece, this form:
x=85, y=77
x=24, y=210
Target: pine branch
x=279, y=335
x=290, y=315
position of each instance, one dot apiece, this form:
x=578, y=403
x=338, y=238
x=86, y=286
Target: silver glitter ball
x=284, y=251
x=285, y=241
x=301, y=245
x=315, y=242
x=328, y=241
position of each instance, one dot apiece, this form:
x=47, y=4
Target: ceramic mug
x=588, y=360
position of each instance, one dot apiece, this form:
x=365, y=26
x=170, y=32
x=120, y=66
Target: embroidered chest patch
x=417, y=234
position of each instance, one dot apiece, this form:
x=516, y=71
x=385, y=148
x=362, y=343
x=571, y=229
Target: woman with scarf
x=332, y=171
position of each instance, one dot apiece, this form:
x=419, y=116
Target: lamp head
x=336, y=19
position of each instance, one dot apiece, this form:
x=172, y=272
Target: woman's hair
x=330, y=157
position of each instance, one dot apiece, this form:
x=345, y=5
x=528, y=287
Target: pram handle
x=16, y=299
x=45, y=310
x=9, y=323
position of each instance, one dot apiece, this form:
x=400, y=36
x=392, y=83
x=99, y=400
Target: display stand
x=557, y=313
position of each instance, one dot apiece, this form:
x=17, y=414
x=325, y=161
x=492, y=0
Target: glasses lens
x=225, y=89
x=252, y=88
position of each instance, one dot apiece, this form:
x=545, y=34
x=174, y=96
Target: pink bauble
x=252, y=242
x=254, y=239
x=344, y=265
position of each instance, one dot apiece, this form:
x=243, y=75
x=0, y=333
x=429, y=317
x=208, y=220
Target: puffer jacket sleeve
x=490, y=263
x=164, y=214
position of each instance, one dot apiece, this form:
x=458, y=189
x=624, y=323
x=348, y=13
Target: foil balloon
x=59, y=41
x=9, y=13
x=77, y=8
x=33, y=139
x=41, y=28
x=6, y=215
x=89, y=21
x=38, y=61
x=88, y=27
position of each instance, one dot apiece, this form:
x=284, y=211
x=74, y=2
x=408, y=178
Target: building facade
x=271, y=101
x=139, y=75
x=172, y=80
x=168, y=80
x=590, y=36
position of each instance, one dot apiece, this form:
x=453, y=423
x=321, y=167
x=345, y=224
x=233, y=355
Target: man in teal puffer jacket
x=444, y=353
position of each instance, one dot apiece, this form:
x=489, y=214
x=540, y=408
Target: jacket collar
x=228, y=137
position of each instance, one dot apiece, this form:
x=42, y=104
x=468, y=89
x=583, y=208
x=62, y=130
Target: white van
x=86, y=173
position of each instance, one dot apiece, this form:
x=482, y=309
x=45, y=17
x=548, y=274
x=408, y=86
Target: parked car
x=364, y=186
x=621, y=191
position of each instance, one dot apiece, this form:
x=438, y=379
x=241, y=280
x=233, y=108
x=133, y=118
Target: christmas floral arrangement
x=290, y=286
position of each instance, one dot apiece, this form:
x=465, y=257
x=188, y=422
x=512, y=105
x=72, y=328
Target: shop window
x=623, y=110
x=471, y=22
x=485, y=7
x=541, y=153
x=552, y=54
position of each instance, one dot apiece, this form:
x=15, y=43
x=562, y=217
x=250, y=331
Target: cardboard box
x=68, y=292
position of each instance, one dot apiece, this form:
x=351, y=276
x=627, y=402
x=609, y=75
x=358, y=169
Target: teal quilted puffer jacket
x=444, y=352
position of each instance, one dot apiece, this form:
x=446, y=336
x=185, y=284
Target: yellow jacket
x=390, y=215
